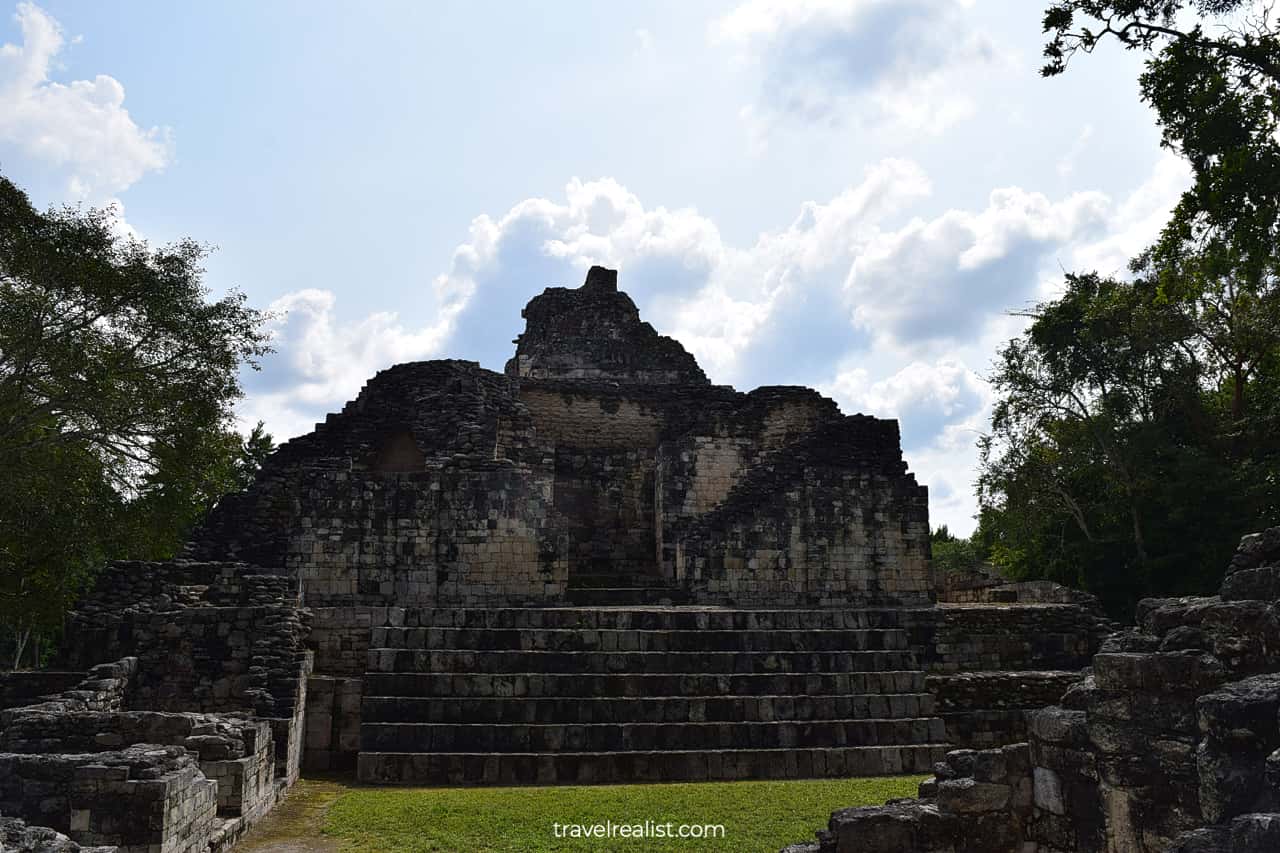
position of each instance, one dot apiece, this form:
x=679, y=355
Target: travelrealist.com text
x=647, y=829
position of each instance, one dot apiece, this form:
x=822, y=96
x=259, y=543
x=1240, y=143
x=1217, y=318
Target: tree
x=58, y=518
x=1108, y=465
x=952, y=553
x=189, y=479
x=1215, y=87
x=1134, y=441
x=118, y=375
x=108, y=344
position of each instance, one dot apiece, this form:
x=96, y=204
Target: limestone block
x=960, y=796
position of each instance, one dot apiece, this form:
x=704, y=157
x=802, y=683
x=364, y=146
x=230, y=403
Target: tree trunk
x=1139, y=541
x=1237, y=394
x=20, y=637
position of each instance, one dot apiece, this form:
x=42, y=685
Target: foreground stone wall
x=80, y=763
x=187, y=739
x=1170, y=745
x=990, y=665
x=17, y=837
x=208, y=637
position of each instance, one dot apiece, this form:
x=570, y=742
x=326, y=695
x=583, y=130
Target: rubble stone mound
x=1170, y=745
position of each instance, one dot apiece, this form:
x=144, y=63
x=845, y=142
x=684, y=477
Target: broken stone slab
x=17, y=837
x=1243, y=714
x=1058, y=725
x=963, y=796
x=1256, y=549
x=903, y=827
x=1262, y=583
x=1250, y=833
x=1160, y=672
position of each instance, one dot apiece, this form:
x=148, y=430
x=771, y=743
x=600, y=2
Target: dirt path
x=294, y=825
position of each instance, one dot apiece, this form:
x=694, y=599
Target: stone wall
x=195, y=651
x=462, y=533
x=592, y=416
x=187, y=739
x=17, y=837
x=83, y=764
x=332, y=739
x=984, y=585
x=809, y=525
x=140, y=798
x=1025, y=637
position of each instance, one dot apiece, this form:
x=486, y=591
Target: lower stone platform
x=566, y=695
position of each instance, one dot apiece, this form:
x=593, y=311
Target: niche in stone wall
x=398, y=454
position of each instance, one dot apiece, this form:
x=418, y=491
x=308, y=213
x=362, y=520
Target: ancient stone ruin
x=593, y=567
x=1171, y=743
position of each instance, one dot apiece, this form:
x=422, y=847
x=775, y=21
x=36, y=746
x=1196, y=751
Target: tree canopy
x=1133, y=438
x=118, y=374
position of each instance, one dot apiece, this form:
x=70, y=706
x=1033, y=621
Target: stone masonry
x=593, y=567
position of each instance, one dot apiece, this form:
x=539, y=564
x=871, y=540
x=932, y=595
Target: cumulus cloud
x=925, y=397
x=1138, y=220
x=320, y=362
x=825, y=61
x=942, y=278
x=80, y=129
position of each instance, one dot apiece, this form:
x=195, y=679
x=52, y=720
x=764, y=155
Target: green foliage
x=761, y=816
x=1215, y=88
x=1133, y=440
x=57, y=523
x=188, y=480
x=117, y=378
x=1114, y=464
x=954, y=554
x=108, y=344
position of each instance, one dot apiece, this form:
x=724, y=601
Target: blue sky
x=846, y=194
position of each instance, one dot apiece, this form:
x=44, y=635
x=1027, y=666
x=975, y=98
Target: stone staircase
x=572, y=695
x=605, y=589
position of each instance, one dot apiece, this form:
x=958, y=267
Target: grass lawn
x=757, y=816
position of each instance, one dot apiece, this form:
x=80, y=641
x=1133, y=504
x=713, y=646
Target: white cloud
x=1067, y=165
x=1138, y=220
x=81, y=129
x=873, y=61
x=320, y=362
x=942, y=407
x=942, y=278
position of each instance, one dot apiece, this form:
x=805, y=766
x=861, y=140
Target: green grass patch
x=763, y=816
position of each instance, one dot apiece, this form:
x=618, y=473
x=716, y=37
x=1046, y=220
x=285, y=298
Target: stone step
x=609, y=579
x=419, y=660
x=556, y=685
x=609, y=640
x=625, y=596
x=645, y=737
x=649, y=709
x=576, y=768
x=650, y=618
